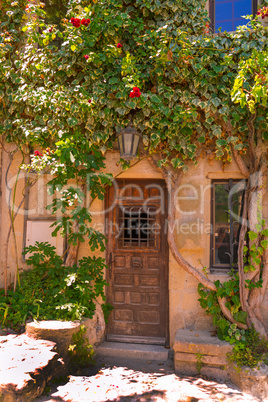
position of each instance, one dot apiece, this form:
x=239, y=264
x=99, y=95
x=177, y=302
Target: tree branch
x=222, y=301
x=243, y=230
x=252, y=147
x=240, y=162
x=174, y=248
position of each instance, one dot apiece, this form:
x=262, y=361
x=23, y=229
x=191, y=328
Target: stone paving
x=141, y=381
x=26, y=365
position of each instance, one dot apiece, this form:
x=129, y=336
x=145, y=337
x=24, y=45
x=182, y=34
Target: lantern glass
x=136, y=144
x=128, y=140
x=120, y=141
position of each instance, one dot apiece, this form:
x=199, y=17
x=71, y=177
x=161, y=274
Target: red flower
x=50, y=29
x=135, y=93
x=87, y=22
x=86, y=56
x=83, y=21
x=37, y=153
x=119, y=45
x=89, y=101
x=75, y=22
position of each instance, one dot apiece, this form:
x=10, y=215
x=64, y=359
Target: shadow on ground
x=120, y=380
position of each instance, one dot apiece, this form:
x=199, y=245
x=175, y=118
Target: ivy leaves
x=185, y=78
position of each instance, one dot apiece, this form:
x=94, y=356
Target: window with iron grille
x=227, y=208
x=137, y=227
x=227, y=14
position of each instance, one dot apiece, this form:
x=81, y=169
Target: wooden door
x=137, y=259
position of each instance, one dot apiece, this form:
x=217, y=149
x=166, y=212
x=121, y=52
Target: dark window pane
x=242, y=7
x=221, y=224
x=225, y=26
x=223, y=11
x=227, y=213
x=228, y=13
x=239, y=22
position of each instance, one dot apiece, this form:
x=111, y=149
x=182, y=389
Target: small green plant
x=199, y=362
x=80, y=351
x=250, y=350
x=52, y=291
x=209, y=301
x=249, y=347
x=4, y=307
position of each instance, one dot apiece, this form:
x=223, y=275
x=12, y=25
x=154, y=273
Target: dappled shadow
x=214, y=388
x=115, y=380
x=144, y=397
x=144, y=366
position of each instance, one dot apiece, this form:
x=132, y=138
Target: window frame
x=212, y=13
x=216, y=268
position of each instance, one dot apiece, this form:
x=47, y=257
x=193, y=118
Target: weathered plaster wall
x=10, y=165
x=32, y=210
x=192, y=229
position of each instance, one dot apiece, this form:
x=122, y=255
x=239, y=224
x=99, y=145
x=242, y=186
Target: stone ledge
x=132, y=351
x=60, y=332
x=253, y=381
x=26, y=367
x=190, y=347
x=219, y=360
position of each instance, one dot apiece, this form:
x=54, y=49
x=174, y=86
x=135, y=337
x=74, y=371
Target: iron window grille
x=137, y=227
x=227, y=207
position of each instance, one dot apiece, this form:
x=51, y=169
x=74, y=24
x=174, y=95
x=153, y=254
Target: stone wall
x=192, y=232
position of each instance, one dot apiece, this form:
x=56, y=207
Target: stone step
x=132, y=351
x=197, y=352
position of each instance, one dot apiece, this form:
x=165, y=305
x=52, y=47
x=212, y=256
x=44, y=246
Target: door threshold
x=136, y=339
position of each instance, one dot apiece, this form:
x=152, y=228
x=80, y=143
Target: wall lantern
x=128, y=140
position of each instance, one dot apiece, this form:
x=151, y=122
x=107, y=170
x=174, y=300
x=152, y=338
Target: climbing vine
x=190, y=93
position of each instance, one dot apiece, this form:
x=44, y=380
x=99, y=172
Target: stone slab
x=197, y=352
x=190, y=369
x=253, y=381
x=60, y=332
x=219, y=360
x=26, y=365
x=190, y=341
x=132, y=351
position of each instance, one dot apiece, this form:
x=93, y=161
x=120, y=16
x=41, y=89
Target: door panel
x=138, y=259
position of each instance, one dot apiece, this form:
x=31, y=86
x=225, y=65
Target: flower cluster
x=135, y=93
x=119, y=45
x=48, y=151
x=206, y=30
x=263, y=12
x=76, y=22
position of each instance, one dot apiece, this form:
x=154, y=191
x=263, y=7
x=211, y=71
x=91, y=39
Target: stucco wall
x=192, y=228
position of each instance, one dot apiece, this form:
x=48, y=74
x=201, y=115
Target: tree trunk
x=250, y=299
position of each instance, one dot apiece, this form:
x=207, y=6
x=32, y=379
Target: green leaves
x=241, y=316
x=252, y=235
x=67, y=293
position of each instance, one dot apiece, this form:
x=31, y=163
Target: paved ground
x=141, y=381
